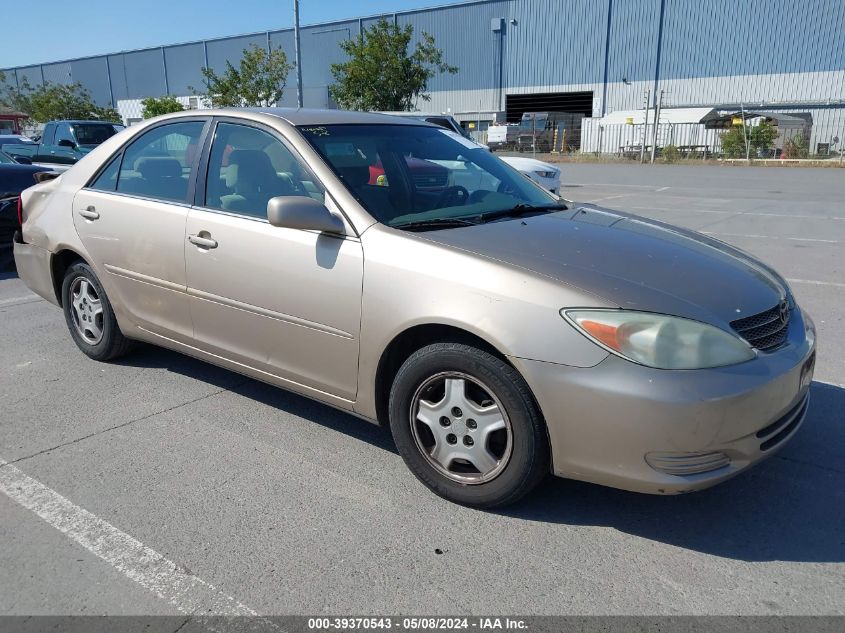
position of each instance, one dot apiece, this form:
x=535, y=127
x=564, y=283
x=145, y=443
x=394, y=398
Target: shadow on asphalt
x=300, y=406
x=791, y=507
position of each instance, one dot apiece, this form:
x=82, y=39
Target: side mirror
x=66, y=142
x=22, y=160
x=300, y=212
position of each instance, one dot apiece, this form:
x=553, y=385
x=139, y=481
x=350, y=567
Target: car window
x=409, y=173
x=248, y=166
x=107, y=180
x=63, y=133
x=47, y=136
x=158, y=163
x=94, y=133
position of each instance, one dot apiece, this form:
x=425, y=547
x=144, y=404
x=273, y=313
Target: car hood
x=630, y=262
x=528, y=164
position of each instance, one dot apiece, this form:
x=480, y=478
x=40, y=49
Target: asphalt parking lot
x=266, y=500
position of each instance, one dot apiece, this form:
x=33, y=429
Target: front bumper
x=609, y=422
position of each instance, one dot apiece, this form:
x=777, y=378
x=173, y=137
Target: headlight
x=546, y=174
x=660, y=341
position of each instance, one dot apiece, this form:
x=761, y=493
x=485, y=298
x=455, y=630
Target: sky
x=77, y=28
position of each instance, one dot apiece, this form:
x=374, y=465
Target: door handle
x=201, y=241
x=89, y=213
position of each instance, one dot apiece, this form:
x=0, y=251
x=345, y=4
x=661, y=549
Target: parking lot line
x=185, y=591
x=772, y=237
x=813, y=282
x=19, y=300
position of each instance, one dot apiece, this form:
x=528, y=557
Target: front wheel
x=467, y=426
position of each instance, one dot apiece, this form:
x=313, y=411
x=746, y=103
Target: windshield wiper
x=519, y=210
x=434, y=223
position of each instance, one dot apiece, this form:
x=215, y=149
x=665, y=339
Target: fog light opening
x=687, y=463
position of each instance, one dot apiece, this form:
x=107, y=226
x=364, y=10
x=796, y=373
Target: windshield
x=406, y=174
x=5, y=159
x=94, y=133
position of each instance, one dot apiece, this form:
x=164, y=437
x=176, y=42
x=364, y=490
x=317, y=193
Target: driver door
x=284, y=301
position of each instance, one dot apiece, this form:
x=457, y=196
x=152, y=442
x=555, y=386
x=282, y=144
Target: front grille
x=767, y=330
x=431, y=179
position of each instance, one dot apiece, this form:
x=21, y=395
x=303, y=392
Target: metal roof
x=667, y=115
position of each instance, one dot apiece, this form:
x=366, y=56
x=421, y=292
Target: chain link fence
x=725, y=134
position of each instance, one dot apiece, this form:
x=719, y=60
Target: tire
x=88, y=313
x=428, y=386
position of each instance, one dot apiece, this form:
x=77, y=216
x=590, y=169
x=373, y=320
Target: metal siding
x=748, y=37
x=320, y=49
x=117, y=73
x=30, y=74
x=183, y=68
x=555, y=42
x=467, y=41
x=231, y=49
x=719, y=51
x=632, y=53
x=58, y=73
x=144, y=74
x=284, y=40
x=92, y=74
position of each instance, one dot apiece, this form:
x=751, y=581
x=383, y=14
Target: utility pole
x=656, y=128
x=645, y=127
x=745, y=133
x=297, y=53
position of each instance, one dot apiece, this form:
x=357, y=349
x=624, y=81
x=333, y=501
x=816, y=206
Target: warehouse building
x=593, y=57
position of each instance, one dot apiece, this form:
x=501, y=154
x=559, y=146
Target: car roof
x=313, y=116
x=76, y=121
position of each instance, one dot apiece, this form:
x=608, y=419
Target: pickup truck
x=64, y=142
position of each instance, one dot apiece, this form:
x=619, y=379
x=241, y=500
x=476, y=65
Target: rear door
x=131, y=218
x=284, y=301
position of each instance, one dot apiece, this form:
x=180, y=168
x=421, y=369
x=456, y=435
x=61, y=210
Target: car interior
x=248, y=167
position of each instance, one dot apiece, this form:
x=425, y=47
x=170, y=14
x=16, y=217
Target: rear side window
x=107, y=180
x=159, y=162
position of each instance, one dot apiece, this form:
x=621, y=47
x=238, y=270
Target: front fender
x=411, y=281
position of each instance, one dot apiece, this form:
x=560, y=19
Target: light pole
x=297, y=53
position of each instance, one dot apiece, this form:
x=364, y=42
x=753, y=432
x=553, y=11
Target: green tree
x=50, y=102
x=761, y=139
x=258, y=81
x=380, y=74
x=154, y=106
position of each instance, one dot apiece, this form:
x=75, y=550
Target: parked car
x=446, y=121
x=14, y=178
x=544, y=174
x=64, y=142
x=500, y=333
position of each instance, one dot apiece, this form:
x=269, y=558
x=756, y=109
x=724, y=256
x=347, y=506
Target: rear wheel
x=467, y=426
x=89, y=315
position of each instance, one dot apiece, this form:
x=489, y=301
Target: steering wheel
x=452, y=197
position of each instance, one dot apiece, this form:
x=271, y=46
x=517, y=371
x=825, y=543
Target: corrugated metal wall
x=706, y=53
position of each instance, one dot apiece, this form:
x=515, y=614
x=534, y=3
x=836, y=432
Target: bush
x=670, y=154
x=796, y=147
x=761, y=140
x=162, y=105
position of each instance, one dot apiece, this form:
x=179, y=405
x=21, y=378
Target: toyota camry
x=398, y=271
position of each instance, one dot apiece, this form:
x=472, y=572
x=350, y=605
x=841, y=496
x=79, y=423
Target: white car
x=544, y=174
